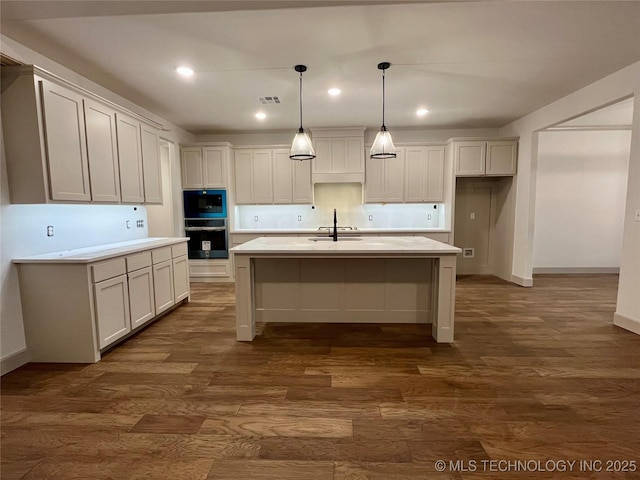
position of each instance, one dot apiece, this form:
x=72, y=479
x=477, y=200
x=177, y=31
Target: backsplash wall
x=74, y=226
x=351, y=212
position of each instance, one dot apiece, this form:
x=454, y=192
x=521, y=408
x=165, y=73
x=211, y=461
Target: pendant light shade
x=383, y=144
x=301, y=147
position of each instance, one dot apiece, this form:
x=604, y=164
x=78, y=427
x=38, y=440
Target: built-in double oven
x=205, y=223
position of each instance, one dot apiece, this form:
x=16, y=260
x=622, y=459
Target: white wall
x=628, y=307
x=400, y=136
x=166, y=220
x=611, y=89
x=606, y=91
x=580, y=200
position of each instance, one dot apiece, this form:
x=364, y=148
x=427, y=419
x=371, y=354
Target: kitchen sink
x=330, y=239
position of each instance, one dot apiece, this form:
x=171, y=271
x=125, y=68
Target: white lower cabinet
x=163, y=285
x=97, y=303
x=141, y=300
x=112, y=309
x=180, y=278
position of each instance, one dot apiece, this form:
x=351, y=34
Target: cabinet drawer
x=138, y=261
x=161, y=254
x=108, y=269
x=179, y=250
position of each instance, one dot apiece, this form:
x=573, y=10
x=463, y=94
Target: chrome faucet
x=335, y=226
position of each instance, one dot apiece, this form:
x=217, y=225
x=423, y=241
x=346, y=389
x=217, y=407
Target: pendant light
x=301, y=148
x=383, y=145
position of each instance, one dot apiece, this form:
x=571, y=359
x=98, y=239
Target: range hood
x=339, y=155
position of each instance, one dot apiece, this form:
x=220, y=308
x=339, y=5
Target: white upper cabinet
x=65, y=145
x=253, y=176
x=283, y=177
x=204, y=167
x=291, y=179
x=215, y=167
x=424, y=173
x=66, y=148
x=485, y=157
x=192, y=170
x=385, y=180
x=152, y=179
x=339, y=156
x=501, y=158
x=416, y=175
x=102, y=150
x=130, y=155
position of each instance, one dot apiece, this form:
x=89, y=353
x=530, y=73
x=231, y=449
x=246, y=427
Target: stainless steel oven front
x=207, y=238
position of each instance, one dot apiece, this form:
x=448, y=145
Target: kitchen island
x=353, y=280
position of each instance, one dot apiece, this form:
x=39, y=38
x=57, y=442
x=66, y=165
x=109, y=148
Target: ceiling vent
x=268, y=100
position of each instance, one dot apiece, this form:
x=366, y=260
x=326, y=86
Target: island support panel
x=345, y=290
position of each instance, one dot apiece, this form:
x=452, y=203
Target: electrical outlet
x=49, y=230
x=472, y=216
x=468, y=252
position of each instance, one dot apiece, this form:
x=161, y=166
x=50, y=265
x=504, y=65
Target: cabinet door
x=151, y=170
x=163, y=286
x=262, y=176
x=102, y=152
x=469, y=158
x=374, y=184
x=243, y=166
x=302, y=190
x=130, y=157
x=283, y=176
x=112, y=309
x=180, y=278
x=355, y=155
x=322, y=162
x=215, y=168
x=434, y=175
x=66, y=143
x=393, y=180
x=141, y=299
x=414, y=161
x=339, y=156
x=192, y=173
x=501, y=158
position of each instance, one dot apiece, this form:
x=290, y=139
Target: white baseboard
x=13, y=361
x=522, y=281
x=570, y=270
x=628, y=323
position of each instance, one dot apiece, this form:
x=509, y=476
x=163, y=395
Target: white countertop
x=313, y=231
x=347, y=246
x=101, y=252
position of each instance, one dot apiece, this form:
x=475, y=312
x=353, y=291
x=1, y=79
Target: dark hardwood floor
x=537, y=375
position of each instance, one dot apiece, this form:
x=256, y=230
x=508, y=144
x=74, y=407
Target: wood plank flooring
x=535, y=374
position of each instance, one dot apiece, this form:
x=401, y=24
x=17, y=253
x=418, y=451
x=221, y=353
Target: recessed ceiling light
x=185, y=71
x=261, y=115
x=422, y=112
x=334, y=91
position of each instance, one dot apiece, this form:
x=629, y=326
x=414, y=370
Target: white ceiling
x=472, y=64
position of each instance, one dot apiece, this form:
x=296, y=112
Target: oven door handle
x=205, y=229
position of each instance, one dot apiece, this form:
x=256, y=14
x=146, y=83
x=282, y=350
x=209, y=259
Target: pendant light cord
x=383, y=126
x=301, y=102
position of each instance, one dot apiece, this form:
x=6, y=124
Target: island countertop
x=345, y=246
